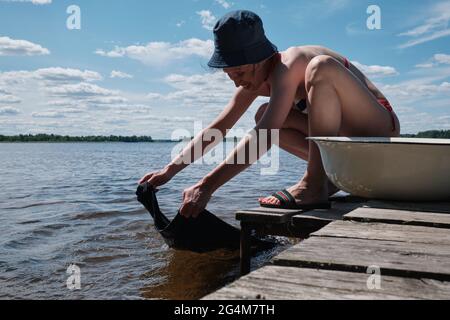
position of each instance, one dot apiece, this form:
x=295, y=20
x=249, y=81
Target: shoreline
x=53, y=138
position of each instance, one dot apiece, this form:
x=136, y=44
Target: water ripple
x=64, y=204
x=106, y=214
x=35, y=205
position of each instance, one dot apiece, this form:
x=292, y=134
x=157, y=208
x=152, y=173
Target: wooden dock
x=357, y=250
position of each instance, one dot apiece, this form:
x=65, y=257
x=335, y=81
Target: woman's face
x=245, y=76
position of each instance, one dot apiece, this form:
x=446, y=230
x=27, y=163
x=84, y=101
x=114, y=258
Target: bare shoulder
x=294, y=56
x=294, y=61
x=306, y=53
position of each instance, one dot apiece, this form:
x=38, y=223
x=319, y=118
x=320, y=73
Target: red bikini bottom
x=388, y=107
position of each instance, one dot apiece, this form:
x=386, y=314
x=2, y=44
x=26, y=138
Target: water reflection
x=189, y=275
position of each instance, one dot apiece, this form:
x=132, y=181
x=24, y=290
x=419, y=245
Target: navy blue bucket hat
x=239, y=39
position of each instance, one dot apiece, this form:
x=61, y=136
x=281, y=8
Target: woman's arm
x=239, y=103
x=283, y=93
x=196, y=197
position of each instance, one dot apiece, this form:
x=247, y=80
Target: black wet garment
x=204, y=233
x=301, y=105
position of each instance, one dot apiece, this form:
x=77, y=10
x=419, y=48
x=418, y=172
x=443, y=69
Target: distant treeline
x=59, y=138
x=443, y=134
x=435, y=134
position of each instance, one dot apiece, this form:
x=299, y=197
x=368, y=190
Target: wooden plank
x=310, y=221
x=273, y=215
x=387, y=232
x=440, y=207
x=395, y=258
x=415, y=218
x=266, y=215
x=284, y=283
x=337, y=212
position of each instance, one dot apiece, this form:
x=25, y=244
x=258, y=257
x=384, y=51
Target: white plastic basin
x=403, y=169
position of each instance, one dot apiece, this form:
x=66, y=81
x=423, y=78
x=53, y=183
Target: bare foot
x=303, y=194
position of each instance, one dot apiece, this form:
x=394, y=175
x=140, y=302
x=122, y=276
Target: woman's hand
x=195, y=200
x=157, y=178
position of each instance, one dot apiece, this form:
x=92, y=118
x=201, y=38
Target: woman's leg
x=338, y=104
x=293, y=136
x=293, y=133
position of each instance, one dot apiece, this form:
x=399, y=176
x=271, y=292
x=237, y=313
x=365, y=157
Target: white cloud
x=12, y=47
x=41, y=1
x=61, y=103
x=118, y=52
x=180, y=24
x=209, y=91
x=169, y=119
x=421, y=104
x=200, y=89
x=8, y=97
x=417, y=121
x=207, y=18
x=8, y=111
x=116, y=122
x=434, y=27
x=38, y=2
x=120, y=74
x=376, y=71
x=55, y=75
x=437, y=59
x=162, y=53
x=422, y=101
x=82, y=89
x=154, y=95
x=128, y=109
x=48, y=114
x=224, y=3
x=67, y=75
x=424, y=65
x=65, y=111
x=442, y=58
x=434, y=36
x=57, y=87
x=106, y=100
x=412, y=91
x=205, y=94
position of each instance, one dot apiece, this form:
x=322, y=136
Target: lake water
x=63, y=204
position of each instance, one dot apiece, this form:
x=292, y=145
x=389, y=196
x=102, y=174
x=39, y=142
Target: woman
x=313, y=91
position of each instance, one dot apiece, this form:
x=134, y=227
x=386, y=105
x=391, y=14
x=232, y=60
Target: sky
x=139, y=67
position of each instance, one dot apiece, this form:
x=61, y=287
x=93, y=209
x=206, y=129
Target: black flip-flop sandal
x=287, y=201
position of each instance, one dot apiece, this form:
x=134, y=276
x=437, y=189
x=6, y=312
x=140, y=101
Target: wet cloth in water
x=205, y=233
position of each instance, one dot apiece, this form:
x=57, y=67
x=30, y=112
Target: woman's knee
x=319, y=69
x=261, y=110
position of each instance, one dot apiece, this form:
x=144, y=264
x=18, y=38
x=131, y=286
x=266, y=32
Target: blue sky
x=138, y=67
